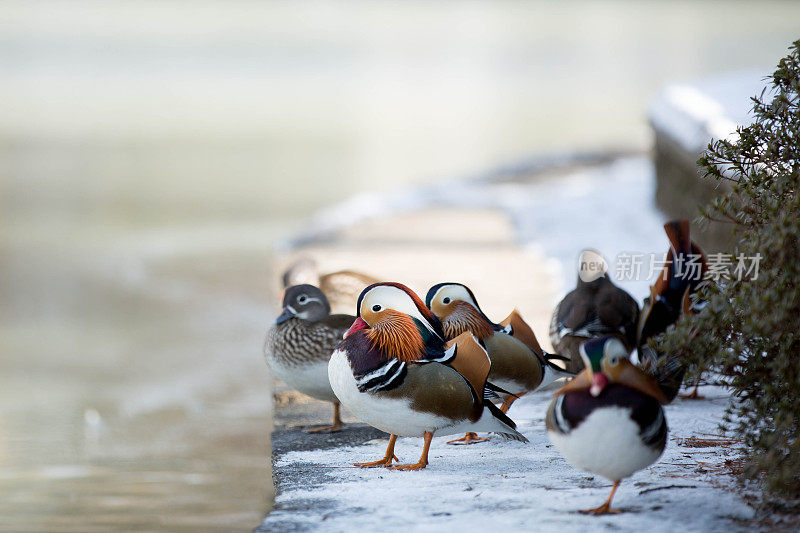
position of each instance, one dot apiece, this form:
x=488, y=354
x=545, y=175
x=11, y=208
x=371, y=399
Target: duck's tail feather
x=678, y=234
x=553, y=372
x=555, y=357
x=493, y=392
x=496, y=421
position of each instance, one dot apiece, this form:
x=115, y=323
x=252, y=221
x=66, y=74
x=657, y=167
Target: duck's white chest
x=310, y=379
x=608, y=443
x=391, y=415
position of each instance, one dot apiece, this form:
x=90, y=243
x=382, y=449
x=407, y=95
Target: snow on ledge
x=692, y=114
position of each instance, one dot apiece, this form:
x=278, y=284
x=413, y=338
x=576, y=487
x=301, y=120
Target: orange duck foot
x=469, y=438
x=606, y=507
x=603, y=509
x=694, y=395
x=333, y=428
x=386, y=461
x=415, y=466
x=387, y=458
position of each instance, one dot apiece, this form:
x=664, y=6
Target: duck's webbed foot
x=469, y=438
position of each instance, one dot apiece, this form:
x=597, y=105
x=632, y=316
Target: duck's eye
x=302, y=299
x=376, y=308
x=446, y=300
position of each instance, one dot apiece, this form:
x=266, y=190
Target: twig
x=693, y=453
x=325, y=466
x=668, y=487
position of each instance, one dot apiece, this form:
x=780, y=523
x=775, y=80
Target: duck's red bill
x=599, y=382
x=358, y=325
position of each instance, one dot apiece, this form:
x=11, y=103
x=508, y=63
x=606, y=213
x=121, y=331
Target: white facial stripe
x=455, y=292
x=305, y=315
x=586, y=362
x=559, y=415
x=389, y=297
x=302, y=314
x=614, y=347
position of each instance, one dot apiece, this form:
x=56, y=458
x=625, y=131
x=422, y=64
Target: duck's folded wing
x=516, y=326
x=574, y=316
x=584, y=321
x=618, y=313
x=469, y=358
x=655, y=317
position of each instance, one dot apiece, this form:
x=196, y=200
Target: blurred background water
x=151, y=153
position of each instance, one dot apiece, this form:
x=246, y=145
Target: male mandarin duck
x=341, y=288
x=683, y=271
x=300, y=343
x=670, y=297
x=519, y=365
x=595, y=308
x=395, y=371
x=609, y=419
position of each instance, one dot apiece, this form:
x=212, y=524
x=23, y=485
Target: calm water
x=133, y=391
x=150, y=152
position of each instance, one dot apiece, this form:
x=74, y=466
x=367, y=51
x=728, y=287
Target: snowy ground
x=509, y=486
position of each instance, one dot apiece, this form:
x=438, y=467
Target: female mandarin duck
x=519, y=365
x=341, y=287
x=595, y=308
x=670, y=297
x=300, y=344
x=394, y=371
x=608, y=420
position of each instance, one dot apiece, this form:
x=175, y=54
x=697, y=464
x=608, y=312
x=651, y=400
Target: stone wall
x=684, y=118
x=681, y=190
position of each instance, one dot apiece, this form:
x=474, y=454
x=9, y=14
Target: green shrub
x=748, y=334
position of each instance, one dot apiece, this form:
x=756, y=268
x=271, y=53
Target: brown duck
x=300, y=343
x=670, y=297
x=395, y=371
x=595, y=308
x=519, y=365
